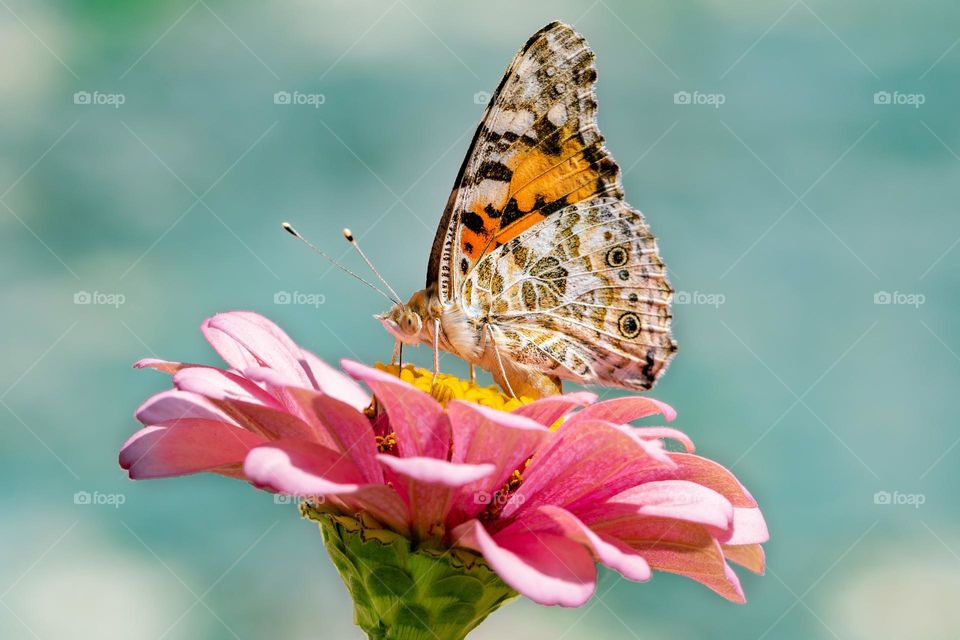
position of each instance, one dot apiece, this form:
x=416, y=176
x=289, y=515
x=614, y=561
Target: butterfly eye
x=410, y=323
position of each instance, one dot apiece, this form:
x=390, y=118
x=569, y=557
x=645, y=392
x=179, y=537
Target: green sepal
x=404, y=592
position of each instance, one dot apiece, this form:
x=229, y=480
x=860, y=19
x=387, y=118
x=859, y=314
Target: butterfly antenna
x=349, y=236
x=289, y=229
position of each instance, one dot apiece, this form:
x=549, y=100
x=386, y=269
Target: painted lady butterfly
x=539, y=270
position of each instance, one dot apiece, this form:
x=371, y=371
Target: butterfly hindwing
x=583, y=296
x=536, y=151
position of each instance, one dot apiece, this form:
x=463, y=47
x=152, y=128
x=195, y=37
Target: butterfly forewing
x=536, y=151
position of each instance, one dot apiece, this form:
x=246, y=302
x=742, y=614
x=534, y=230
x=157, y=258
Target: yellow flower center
x=447, y=387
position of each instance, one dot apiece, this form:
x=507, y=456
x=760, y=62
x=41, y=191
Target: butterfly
x=540, y=271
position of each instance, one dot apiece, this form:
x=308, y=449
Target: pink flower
x=541, y=505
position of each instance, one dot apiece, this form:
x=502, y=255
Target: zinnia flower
x=439, y=499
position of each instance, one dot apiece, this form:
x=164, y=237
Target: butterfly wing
x=537, y=243
x=536, y=151
x=582, y=296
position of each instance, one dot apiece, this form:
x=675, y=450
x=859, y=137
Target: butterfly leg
x=503, y=371
x=397, y=346
x=436, y=348
x=473, y=375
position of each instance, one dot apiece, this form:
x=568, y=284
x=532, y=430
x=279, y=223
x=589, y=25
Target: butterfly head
x=405, y=322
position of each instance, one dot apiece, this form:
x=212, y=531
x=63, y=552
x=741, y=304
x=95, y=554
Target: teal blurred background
x=823, y=186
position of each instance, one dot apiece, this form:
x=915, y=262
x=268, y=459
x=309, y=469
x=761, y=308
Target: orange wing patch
x=537, y=150
x=539, y=180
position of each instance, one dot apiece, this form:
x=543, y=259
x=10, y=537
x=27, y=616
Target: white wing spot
x=557, y=114
x=492, y=191
x=512, y=121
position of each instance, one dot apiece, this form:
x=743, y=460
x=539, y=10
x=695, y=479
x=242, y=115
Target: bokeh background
x=804, y=191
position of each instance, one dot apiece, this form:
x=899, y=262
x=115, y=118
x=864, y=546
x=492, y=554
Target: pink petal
x=161, y=365
x=706, y=565
x=679, y=547
x=429, y=489
x=229, y=349
x=710, y=474
x=624, y=410
x=273, y=423
x=485, y=435
x=335, y=384
x=279, y=386
x=383, y=503
x=748, y=556
x=421, y=426
x=174, y=404
x=181, y=447
x=317, y=374
x=665, y=433
x=675, y=499
x=341, y=427
x=433, y=471
x=651, y=447
x=548, y=410
x=218, y=384
x=549, y=569
x=607, y=550
x=245, y=339
x=582, y=460
x=266, y=375
x=299, y=468
x=749, y=527
x=684, y=467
